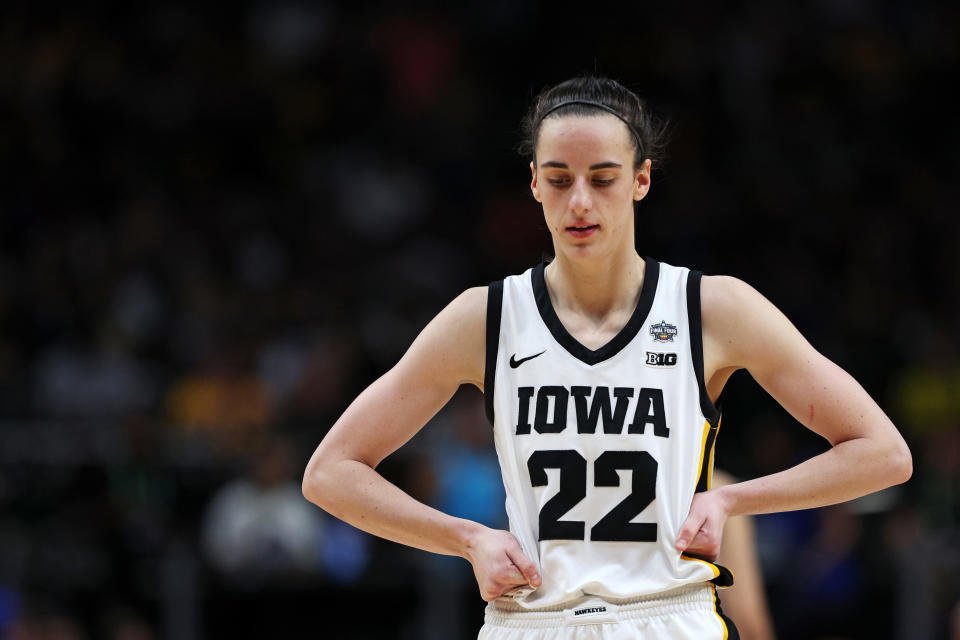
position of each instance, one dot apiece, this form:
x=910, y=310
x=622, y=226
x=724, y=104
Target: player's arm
x=341, y=476
x=742, y=329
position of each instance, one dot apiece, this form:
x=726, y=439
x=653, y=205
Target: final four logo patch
x=663, y=332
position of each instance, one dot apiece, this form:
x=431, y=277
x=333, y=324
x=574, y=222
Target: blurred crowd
x=218, y=226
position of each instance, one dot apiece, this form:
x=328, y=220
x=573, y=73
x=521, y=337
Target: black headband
x=598, y=105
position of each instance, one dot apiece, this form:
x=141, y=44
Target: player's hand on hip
x=702, y=531
x=500, y=565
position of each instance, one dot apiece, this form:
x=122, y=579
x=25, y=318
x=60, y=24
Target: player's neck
x=597, y=287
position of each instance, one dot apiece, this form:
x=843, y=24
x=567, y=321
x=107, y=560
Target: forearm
x=848, y=470
x=357, y=494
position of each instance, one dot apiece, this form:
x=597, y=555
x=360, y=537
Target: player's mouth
x=582, y=230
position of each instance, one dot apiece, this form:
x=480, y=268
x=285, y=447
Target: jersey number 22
x=616, y=525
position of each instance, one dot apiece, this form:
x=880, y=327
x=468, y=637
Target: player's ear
x=641, y=183
x=533, y=183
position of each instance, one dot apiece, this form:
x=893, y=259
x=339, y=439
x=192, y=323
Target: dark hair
x=649, y=133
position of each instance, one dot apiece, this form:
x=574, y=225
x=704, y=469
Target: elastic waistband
x=596, y=610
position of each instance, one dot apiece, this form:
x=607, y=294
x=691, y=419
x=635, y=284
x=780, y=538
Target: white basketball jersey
x=601, y=450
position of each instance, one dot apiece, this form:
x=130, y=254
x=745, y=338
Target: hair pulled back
x=648, y=132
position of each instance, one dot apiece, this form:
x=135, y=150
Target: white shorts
x=691, y=612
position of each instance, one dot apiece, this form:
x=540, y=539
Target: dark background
x=219, y=224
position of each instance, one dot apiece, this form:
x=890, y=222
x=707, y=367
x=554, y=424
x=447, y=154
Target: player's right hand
x=702, y=531
x=499, y=564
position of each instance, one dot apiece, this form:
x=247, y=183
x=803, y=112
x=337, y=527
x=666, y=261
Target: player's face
x=586, y=181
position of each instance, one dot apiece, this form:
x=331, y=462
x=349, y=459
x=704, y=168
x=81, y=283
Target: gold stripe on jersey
x=722, y=576
x=703, y=448
x=713, y=448
x=703, y=455
x=707, y=447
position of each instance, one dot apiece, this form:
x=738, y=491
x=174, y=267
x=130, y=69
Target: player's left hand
x=702, y=531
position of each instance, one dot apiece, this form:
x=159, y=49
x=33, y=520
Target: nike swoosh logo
x=514, y=363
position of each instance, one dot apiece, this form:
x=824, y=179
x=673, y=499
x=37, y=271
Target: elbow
x=905, y=465
x=308, y=487
x=901, y=462
x=314, y=481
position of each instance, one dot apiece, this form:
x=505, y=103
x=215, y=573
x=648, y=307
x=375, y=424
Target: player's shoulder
x=741, y=324
x=473, y=302
x=469, y=306
x=451, y=346
x=733, y=314
x=465, y=317
x=726, y=296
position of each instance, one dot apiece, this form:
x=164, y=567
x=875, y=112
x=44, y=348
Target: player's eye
x=606, y=182
x=558, y=182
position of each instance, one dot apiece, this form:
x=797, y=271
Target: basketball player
x=601, y=372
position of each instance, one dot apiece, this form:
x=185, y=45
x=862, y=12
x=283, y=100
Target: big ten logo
x=656, y=359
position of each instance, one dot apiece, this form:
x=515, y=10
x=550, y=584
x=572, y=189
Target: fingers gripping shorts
x=691, y=612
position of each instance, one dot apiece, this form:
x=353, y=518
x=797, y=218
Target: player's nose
x=580, y=200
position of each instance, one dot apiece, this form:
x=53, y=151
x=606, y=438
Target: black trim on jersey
x=725, y=579
x=619, y=341
x=710, y=411
x=494, y=307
